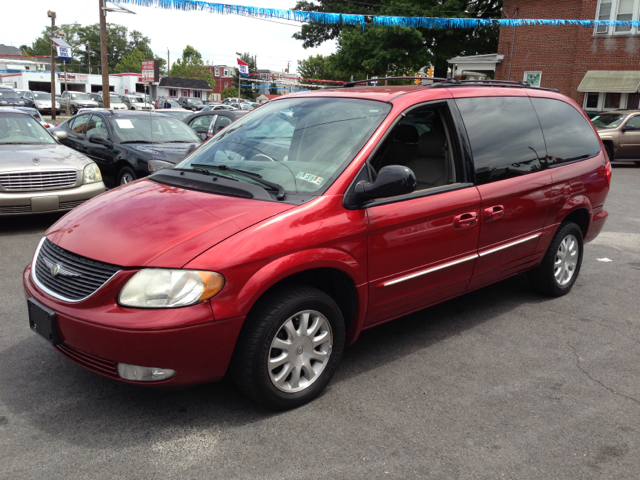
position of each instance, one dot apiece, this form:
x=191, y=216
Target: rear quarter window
x=505, y=136
x=568, y=135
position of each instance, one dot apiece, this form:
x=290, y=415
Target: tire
x=126, y=175
x=609, y=152
x=302, y=370
x=560, y=267
x=73, y=110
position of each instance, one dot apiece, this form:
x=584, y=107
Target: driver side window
x=77, y=125
x=97, y=126
x=422, y=142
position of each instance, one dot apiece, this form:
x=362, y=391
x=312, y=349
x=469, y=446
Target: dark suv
x=272, y=246
x=191, y=103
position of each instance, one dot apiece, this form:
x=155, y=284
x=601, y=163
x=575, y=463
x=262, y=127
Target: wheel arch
x=581, y=217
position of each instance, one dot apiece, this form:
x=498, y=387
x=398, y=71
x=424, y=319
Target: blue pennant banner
x=347, y=19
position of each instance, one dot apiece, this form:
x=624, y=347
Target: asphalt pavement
x=499, y=383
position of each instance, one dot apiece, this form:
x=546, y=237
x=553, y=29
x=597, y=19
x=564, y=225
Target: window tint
x=506, y=140
x=566, y=132
x=78, y=123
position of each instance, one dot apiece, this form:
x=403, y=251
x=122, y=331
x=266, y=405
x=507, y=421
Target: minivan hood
x=19, y=157
x=146, y=224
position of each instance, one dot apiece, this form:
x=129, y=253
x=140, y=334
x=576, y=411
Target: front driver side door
x=630, y=140
x=104, y=156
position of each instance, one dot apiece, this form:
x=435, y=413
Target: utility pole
x=103, y=54
x=52, y=15
x=168, y=63
x=89, y=53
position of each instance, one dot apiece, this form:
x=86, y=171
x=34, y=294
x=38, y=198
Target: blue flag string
x=383, y=21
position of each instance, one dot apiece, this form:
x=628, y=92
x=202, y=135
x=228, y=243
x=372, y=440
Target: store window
x=173, y=92
x=612, y=100
x=197, y=93
x=620, y=10
x=591, y=102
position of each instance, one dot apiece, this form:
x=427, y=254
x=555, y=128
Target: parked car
x=179, y=113
x=137, y=102
x=162, y=101
x=37, y=174
x=115, y=101
x=191, y=103
x=207, y=124
x=9, y=98
x=129, y=145
x=76, y=101
x=620, y=134
x=35, y=114
x=40, y=101
x=273, y=245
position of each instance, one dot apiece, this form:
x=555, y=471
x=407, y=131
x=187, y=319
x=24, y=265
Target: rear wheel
x=289, y=348
x=561, y=265
x=126, y=175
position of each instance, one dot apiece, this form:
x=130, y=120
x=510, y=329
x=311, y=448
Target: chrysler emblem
x=36, y=161
x=55, y=268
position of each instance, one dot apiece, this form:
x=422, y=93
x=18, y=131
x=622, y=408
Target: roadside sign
x=148, y=70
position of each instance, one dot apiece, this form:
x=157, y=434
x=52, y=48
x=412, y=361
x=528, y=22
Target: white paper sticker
x=307, y=177
x=124, y=123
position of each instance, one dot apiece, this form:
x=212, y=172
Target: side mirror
x=392, y=180
x=628, y=128
x=60, y=135
x=100, y=140
x=203, y=136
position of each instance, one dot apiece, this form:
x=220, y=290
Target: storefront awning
x=610, y=81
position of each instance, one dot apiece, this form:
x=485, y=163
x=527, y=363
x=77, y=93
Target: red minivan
x=319, y=215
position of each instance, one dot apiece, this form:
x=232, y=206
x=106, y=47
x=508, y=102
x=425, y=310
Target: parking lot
x=499, y=383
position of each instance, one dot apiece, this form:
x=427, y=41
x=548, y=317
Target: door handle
x=465, y=220
x=493, y=213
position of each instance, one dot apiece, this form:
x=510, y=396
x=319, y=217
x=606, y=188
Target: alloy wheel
x=564, y=265
x=300, y=351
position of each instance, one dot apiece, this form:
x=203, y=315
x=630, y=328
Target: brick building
x=598, y=67
x=223, y=75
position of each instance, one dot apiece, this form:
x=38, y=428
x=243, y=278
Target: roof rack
x=439, y=82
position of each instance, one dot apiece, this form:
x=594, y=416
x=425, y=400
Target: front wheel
x=126, y=175
x=289, y=348
x=73, y=110
x=560, y=266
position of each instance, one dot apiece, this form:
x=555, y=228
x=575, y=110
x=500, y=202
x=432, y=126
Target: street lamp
x=52, y=16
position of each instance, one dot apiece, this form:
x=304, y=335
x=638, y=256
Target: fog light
x=144, y=374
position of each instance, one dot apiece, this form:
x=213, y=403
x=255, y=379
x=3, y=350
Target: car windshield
x=42, y=96
x=195, y=102
x=115, y=99
x=177, y=114
x=80, y=96
x=152, y=128
x=22, y=129
x=609, y=120
x=8, y=95
x=302, y=144
x=136, y=99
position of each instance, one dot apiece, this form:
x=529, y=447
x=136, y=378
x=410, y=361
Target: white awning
x=610, y=81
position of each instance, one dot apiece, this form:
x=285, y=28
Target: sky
x=216, y=37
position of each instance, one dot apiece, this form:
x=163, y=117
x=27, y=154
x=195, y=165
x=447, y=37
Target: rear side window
x=568, y=136
x=505, y=136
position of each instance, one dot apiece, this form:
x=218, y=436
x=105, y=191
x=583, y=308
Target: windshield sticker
x=307, y=177
x=124, y=123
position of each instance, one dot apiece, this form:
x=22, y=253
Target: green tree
x=130, y=62
x=230, y=92
x=192, y=66
x=273, y=88
x=397, y=50
x=246, y=92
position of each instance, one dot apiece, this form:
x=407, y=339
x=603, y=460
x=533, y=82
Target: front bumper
x=97, y=334
x=18, y=203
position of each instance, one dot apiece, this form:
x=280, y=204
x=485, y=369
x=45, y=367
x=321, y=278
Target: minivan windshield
x=302, y=144
x=42, y=96
x=152, y=128
x=609, y=120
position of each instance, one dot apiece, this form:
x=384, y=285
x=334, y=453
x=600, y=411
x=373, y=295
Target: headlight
x=91, y=174
x=2, y=102
x=160, y=288
x=157, y=165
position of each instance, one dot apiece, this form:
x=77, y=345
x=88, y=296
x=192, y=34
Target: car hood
x=146, y=224
x=167, y=152
x=19, y=157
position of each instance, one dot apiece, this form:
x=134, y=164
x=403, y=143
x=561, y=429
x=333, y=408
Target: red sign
x=148, y=67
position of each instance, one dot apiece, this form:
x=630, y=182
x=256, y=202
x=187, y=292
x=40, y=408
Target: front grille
x=38, y=180
x=76, y=278
x=200, y=186
x=90, y=362
x=70, y=205
x=17, y=209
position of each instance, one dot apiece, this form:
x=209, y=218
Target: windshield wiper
x=204, y=171
x=137, y=141
x=182, y=141
x=258, y=178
